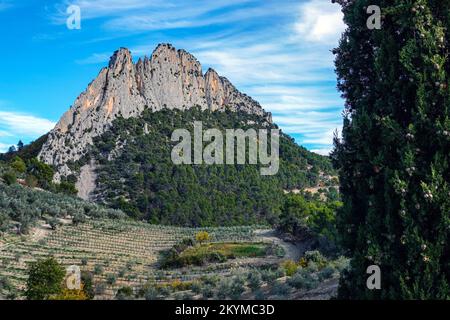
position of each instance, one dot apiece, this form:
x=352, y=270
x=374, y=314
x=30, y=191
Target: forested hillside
x=135, y=172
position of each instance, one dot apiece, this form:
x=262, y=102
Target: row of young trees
x=21, y=207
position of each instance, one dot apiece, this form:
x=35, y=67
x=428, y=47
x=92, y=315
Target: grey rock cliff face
x=170, y=79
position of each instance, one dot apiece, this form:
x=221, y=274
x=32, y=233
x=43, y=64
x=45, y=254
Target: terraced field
x=126, y=250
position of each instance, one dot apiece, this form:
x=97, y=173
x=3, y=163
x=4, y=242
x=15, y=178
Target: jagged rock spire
x=170, y=79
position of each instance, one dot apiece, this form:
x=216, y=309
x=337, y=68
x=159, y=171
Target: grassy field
x=200, y=254
x=228, y=250
x=237, y=250
x=126, y=251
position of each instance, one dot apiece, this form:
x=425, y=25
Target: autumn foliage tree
x=202, y=236
x=394, y=155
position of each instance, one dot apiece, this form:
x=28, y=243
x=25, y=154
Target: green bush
x=207, y=291
x=196, y=287
x=44, y=279
x=87, y=278
x=304, y=279
x=31, y=181
x=290, y=267
x=124, y=293
x=280, y=289
x=100, y=288
x=259, y=295
x=98, y=269
x=254, y=280
x=231, y=288
x=316, y=257
x=10, y=177
x=54, y=223
x=18, y=164
x=5, y=283
x=326, y=273
x=269, y=275
x=151, y=293
x=111, y=279
x=79, y=218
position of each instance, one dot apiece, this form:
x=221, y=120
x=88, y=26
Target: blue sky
x=277, y=51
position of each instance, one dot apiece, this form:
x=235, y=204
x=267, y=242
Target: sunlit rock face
x=170, y=78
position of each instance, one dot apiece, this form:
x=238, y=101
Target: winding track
x=293, y=252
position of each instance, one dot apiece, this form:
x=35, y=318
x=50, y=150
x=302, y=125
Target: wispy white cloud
x=324, y=152
x=319, y=22
x=190, y=14
x=272, y=63
x=308, y=123
x=21, y=124
x=5, y=134
x=95, y=58
x=18, y=125
x=92, y=9
x=145, y=15
x=302, y=98
x=4, y=147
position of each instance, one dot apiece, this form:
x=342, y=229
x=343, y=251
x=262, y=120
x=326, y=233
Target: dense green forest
x=142, y=181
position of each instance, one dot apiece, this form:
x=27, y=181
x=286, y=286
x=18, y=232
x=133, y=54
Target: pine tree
x=20, y=145
x=394, y=154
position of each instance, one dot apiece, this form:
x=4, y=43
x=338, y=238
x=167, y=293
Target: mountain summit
x=169, y=79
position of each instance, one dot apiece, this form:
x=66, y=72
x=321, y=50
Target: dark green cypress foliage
x=394, y=154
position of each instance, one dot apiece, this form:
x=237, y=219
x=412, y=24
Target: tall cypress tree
x=394, y=154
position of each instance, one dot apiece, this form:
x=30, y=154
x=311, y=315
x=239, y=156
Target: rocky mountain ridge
x=170, y=79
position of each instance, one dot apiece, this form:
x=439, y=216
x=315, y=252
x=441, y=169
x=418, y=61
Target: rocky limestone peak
x=169, y=78
x=215, y=93
x=121, y=61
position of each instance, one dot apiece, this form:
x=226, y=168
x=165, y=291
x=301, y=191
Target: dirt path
x=293, y=251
